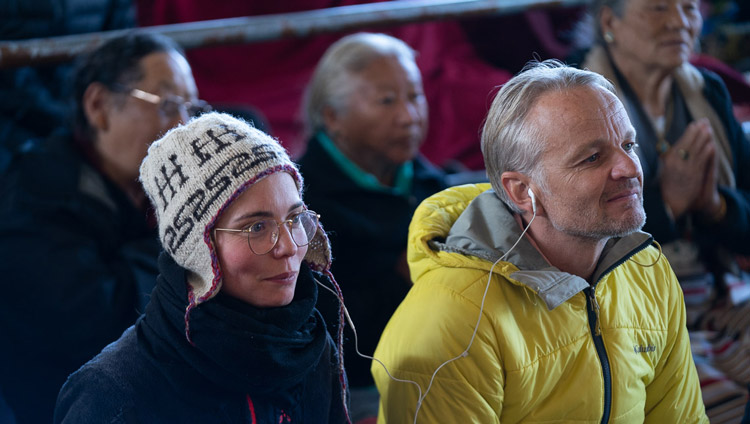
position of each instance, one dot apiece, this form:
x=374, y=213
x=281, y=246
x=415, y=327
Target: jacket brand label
x=644, y=348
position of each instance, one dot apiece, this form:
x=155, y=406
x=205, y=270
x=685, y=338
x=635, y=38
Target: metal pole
x=253, y=29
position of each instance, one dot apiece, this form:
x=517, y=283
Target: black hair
x=114, y=64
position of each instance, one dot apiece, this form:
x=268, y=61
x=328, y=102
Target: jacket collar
x=402, y=182
x=487, y=229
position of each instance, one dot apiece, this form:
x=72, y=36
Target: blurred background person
x=696, y=165
x=33, y=98
x=231, y=333
x=366, y=114
x=79, y=253
x=455, y=77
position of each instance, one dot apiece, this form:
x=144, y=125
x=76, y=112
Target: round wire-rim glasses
x=263, y=235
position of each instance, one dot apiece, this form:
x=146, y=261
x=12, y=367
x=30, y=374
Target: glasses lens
x=303, y=227
x=198, y=107
x=171, y=106
x=262, y=236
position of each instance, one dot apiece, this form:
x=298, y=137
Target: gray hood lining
x=486, y=229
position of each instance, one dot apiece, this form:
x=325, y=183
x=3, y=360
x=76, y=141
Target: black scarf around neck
x=237, y=347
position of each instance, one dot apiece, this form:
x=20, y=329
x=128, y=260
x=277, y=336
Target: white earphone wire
x=463, y=354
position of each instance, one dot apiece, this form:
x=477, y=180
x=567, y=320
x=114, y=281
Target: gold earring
x=609, y=37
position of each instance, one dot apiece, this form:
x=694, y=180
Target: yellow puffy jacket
x=549, y=347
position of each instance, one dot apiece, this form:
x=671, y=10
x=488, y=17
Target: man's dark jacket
x=78, y=260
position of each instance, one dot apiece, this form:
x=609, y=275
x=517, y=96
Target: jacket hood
x=469, y=226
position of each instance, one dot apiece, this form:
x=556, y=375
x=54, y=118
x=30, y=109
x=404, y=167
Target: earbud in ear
x=533, y=200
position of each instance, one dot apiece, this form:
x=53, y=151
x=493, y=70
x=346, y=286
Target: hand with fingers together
x=688, y=175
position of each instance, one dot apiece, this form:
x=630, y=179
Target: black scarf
x=237, y=347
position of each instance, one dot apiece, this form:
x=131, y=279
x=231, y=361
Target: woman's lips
x=284, y=278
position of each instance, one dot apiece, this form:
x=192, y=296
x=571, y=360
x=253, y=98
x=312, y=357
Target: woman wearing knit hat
x=231, y=333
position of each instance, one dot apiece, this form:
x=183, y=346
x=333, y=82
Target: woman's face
x=261, y=280
x=385, y=118
x=655, y=33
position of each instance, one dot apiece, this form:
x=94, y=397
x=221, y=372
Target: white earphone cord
x=465, y=353
x=462, y=355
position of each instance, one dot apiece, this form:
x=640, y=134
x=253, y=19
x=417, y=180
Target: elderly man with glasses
x=77, y=243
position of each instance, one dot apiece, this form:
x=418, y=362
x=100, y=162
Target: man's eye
x=593, y=158
x=629, y=147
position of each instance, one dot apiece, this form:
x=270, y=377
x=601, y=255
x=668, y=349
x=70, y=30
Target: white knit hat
x=195, y=172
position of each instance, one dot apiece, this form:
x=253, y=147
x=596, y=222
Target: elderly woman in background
x=231, y=333
x=366, y=114
x=696, y=164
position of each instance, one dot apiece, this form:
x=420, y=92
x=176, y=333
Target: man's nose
x=627, y=165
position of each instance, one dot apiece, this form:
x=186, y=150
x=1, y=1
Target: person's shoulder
x=319, y=171
x=102, y=389
x=44, y=167
x=713, y=83
x=649, y=270
x=426, y=171
x=115, y=362
x=313, y=154
x=715, y=89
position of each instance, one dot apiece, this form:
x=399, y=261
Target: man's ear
x=517, y=186
x=96, y=100
x=606, y=18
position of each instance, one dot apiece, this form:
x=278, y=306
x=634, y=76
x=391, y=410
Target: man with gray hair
x=538, y=298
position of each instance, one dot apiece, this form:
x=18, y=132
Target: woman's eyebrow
x=296, y=206
x=257, y=214
x=265, y=214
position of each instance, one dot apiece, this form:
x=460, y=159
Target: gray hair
x=588, y=31
x=332, y=82
x=509, y=142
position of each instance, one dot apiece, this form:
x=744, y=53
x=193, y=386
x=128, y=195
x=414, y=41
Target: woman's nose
x=285, y=245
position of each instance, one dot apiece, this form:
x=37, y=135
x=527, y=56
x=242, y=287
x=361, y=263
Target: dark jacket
x=246, y=365
x=368, y=232
x=78, y=260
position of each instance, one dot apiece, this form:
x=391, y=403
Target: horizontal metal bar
x=253, y=29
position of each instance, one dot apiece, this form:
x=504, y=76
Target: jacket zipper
x=596, y=331
x=596, y=334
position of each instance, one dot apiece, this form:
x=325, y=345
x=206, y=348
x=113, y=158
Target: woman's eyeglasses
x=263, y=235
